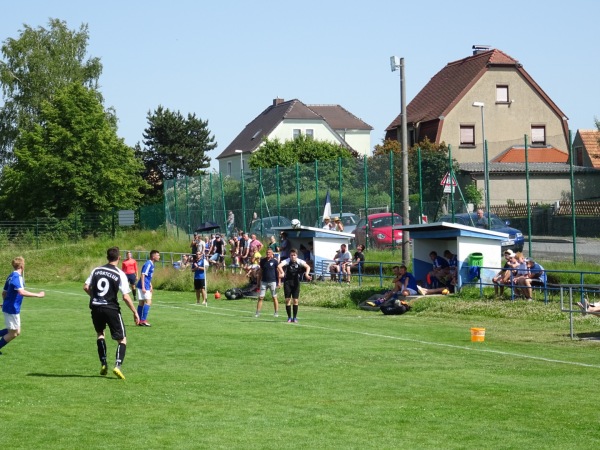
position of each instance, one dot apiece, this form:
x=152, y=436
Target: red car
x=376, y=230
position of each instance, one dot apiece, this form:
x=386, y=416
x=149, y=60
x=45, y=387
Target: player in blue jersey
x=144, y=288
x=12, y=295
x=198, y=269
x=103, y=286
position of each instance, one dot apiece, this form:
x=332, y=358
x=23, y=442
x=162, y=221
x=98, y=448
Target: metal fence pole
x=392, y=203
x=176, y=207
x=340, y=185
x=223, y=203
x=212, y=199
x=277, y=189
x=187, y=204
x=260, y=203
x=365, y=171
x=317, y=205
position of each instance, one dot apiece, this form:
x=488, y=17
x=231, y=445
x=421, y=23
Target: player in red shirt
x=130, y=268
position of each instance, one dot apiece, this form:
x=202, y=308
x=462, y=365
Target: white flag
x=327, y=210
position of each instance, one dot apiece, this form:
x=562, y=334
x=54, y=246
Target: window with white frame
x=296, y=132
x=467, y=135
x=229, y=168
x=502, y=93
x=538, y=135
x=310, y=133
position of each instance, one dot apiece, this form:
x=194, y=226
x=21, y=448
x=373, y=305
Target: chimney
x=477, y=49
x=277, y=101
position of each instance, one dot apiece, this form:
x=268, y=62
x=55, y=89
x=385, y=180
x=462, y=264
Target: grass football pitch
x=217, y=377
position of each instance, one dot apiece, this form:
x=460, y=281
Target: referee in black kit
x=103, y=286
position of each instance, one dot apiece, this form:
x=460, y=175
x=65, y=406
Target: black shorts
x=291, y=289
x=199, y=284
x=131, y=278
x=101, y=317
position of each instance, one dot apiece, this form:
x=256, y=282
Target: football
x=445, y=292
x=295, y=223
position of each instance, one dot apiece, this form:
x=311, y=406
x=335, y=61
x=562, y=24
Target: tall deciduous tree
x=35, y=66
x=175, y=146
x=73, y=162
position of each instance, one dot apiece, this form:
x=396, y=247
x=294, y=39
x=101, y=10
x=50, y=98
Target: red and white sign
x=448, y=180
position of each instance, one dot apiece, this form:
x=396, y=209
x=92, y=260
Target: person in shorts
x=295, y=268
x=12, y=297
x=269, y=279
x=130, y=267
x=144, y=288
x=199, y=278
x=103, y=286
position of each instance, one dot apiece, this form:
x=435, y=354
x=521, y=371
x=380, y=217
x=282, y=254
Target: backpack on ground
x=234, y=294
x=394, y=307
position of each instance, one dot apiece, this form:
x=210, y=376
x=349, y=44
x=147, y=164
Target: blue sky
x=226, y=61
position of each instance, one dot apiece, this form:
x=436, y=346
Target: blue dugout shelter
x=462, y=241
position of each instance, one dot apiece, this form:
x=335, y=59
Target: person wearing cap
x=503, y=277
x=217, y=249
x=327, y=225
x=339, y=226
x=535, y=276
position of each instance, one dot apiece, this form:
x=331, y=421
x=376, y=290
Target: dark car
x=264, y=226
x=515, y=240
x=377, y=230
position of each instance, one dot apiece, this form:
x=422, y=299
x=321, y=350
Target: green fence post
x=187, y=204
x=298, y=189
x=37, y=233
x=201, y=200
x=212, y=199
x=223, y=202
x=260, y=203
x=277, y=189
x=340, y=184
x=243, y=199
x=318, y=206
x=451, y=172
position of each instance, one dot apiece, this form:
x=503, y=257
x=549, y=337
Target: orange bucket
x=477, y=334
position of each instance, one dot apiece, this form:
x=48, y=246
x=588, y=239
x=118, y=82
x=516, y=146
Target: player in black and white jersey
x=295, y=268
x=103, y=286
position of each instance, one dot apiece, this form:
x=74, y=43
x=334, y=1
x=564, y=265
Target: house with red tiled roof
x=586, y=148
x=490, y=96
x=284, y=120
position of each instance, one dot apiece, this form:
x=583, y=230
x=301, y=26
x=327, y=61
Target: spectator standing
x=291, y=284
x=144, y=288
x=481, y=221
x=230, y=223
x=12, y=297
x=338, y=225
x=284, y=246
x=103, y=286
x=327, y=225
x=269, y=279
x=130, y=267
x=255, y=245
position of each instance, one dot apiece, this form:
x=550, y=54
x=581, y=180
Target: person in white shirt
x=338, y=267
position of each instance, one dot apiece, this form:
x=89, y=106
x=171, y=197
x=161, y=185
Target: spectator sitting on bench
x=341, y=258
x=503, y=277
x=357, y=261
x=535, y=276
x=440, y=269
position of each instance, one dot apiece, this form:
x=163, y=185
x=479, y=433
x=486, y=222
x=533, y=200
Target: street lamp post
x=243, y=193
x=398, y=64
x=486, y=173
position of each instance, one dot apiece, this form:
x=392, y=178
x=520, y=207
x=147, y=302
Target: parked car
x=264, y=226
x=349, y=221
x=515, y=241
x=375, y=230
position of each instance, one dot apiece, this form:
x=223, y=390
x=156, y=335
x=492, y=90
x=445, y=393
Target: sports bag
x=234, y=294
x=394, y=307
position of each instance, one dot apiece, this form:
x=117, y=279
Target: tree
x=73, y=162
x=301, y=149
x=174, y=147
x=36, y=65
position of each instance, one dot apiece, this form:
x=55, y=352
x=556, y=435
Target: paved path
x=561, y=249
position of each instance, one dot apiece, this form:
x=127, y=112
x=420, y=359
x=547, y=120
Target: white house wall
x=321, y=132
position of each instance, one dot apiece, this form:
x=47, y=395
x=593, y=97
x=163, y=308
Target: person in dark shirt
x=357, y=261
x=217, y=250
x=103, y=286
x=291, y=284
x=268, y=279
